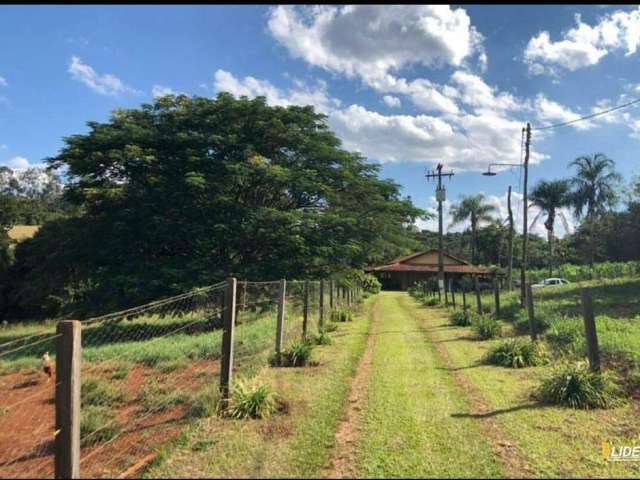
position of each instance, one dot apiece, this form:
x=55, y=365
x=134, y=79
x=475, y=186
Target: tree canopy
x=188, y=190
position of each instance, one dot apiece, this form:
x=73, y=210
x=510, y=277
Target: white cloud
x=301, y=94
x=549, y=112
x=584, y=45
x=467, y=142
x=476, y=93
x=18, y=163
x=106, y=84
x=371, y=41
x=3, y=81
x=391, y=101
x=160, y=91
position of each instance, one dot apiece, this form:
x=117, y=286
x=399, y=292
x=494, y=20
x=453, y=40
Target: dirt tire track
x=514, y=464
x=342, y=464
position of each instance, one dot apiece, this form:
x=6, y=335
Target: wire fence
x=145, y=372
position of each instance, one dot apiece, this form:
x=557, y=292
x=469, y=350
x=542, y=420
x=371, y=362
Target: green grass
x=295, y=444
x=554, y=441
x=408, y=426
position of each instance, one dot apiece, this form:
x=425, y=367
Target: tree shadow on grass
x=501, y=411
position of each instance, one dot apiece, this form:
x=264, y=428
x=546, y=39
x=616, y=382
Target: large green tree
x=187, y=190
x=594, y=191
x=550, y=197
x=476, y=210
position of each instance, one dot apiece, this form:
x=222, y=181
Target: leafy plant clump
x=460, y=318
x=298, y=355
x=517, y=354
x=341, y=315
x=574, y=386
x=252, y=401
x=431, y=301
x=487, y=327
x=322, y=338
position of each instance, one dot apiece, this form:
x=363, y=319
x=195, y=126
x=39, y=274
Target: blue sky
x=407, y=86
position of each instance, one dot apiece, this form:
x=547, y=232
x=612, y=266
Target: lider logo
x=620, y=453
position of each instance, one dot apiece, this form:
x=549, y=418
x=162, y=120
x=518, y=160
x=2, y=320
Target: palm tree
x=593, y=190
x=476, y=210
x=550, y=197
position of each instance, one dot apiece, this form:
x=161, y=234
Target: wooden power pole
x=510, y=244
x=440, y=197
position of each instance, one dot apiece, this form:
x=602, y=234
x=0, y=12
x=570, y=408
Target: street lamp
x=525, y=230
x=489, y=173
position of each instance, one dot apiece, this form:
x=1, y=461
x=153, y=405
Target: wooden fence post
x=496, y=296
x=530, y=312
x=464, y=299
x=478, y=299
x=446, y=295
x=68, y=381
x=590, y=330
x=226, y=358
x=321, y=306
x=280, y=319
x=331, y=286
x=453, y=293
x=305, y=310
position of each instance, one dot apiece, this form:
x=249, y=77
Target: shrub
x=251, y=401
x=329, y=327
x=99, y=392
x=322, y=338
x=371, y=284
x=543, y=320
x=431, y=301
x=487, y=327
x=574, y=386
x=460, y=318
x=341, y=315
x=517, y=354
x=298, y=355
x=97, y=424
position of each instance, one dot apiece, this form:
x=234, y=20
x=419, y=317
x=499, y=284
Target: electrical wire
x=587, y=117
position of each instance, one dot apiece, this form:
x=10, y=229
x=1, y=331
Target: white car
x=548, y=282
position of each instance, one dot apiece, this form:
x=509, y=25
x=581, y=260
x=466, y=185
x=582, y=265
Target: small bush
x=487, y=327
x=251, y=401
x=517, y=354
x=460, y=318
x=99, y=392
x=431, y=301
x=341, y=315
x=298, y=355
x=574, y=386
x=97, y=424
x=322, y=338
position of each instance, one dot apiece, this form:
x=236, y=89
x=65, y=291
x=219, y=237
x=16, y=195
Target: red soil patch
x=349, y=429
x=27, y=416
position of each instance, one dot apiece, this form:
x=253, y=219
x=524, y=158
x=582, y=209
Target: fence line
x=136, y=375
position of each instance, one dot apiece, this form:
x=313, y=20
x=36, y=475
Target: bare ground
x=342, y=464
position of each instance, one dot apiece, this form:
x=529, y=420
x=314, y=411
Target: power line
x=587, y=117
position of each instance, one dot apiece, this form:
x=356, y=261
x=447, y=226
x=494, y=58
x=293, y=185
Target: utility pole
x=510, y=244
x=525, y=208
x=440, y=197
